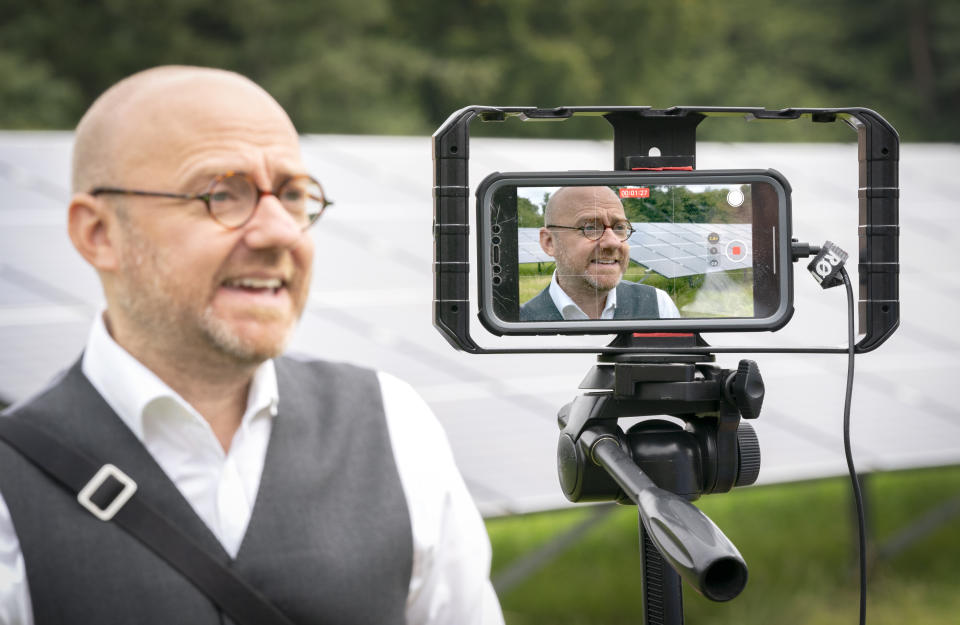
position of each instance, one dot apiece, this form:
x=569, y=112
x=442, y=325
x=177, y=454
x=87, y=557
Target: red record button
x=736, y=250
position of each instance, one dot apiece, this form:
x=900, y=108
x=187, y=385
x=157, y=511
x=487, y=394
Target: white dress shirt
x=571, y=312
x=449, y=582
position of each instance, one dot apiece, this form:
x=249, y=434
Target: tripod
x=660, y=466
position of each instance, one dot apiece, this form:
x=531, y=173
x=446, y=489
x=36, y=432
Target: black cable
x=857, y=495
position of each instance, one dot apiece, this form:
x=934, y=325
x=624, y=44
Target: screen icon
x=636, y=192
x=735, y=198
x=736, y=250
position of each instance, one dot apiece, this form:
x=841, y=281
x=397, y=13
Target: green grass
x=533, y=278
x=723, y=294
x=797, y=541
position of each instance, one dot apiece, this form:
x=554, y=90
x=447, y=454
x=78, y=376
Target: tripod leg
x=662, y=592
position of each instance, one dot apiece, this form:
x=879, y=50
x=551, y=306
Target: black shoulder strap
x=109, y=494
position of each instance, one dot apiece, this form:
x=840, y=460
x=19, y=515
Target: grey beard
x=233, y=346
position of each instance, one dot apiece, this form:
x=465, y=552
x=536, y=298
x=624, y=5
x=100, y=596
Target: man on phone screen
x=585, y=231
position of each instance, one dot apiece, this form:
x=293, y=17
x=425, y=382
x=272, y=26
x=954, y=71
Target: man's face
x=185, y=284
x=583, y=265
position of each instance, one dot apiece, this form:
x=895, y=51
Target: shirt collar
x=569, y=309
x=129, y=387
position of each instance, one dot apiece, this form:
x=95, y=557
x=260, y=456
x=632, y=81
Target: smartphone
x=611, y=252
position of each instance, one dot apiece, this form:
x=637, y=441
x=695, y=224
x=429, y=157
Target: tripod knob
x=746, y=388
x=749, y=455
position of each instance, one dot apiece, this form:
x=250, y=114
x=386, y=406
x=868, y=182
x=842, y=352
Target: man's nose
x=272, y=225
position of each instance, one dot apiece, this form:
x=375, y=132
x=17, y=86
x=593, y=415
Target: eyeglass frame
x=583, y=230
x=205, y=196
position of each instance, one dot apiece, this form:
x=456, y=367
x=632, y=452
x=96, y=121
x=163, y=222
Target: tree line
x=381, y=67
x=662, y=204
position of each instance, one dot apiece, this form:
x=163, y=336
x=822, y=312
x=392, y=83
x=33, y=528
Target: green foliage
x=383, y=67
x=528, y=214
x=682, y=205
x=32, y=96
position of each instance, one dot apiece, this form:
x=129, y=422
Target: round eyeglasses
x=233, y=197
x=594, y=231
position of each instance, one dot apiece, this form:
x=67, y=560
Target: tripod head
x=661, y=465
x=712, y=452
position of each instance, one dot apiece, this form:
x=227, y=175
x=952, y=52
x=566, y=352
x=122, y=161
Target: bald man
x=328, y=488
x=585, y=231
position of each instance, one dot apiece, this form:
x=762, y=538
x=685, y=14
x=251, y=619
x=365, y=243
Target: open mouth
x=270, y=286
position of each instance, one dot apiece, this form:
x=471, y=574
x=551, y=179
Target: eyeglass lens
x=233, y=199
x=622, y=230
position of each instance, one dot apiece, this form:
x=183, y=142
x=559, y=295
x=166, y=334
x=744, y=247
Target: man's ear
x=93, y=229
x=546, y=241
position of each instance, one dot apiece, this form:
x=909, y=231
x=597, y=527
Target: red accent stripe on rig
x=686, y=168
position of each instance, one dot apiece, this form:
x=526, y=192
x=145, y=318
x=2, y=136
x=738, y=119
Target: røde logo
x=826, y=264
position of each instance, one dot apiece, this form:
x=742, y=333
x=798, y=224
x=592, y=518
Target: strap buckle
x=107, y=471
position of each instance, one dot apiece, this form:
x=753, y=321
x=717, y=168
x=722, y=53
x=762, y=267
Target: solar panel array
x=672, y=250
x=371, y=303
x=678, y=250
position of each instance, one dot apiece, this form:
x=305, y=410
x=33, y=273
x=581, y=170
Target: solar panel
x=672, y=250
x=528, y=247
x=371, y=304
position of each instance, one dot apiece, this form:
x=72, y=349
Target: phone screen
x=634, y=251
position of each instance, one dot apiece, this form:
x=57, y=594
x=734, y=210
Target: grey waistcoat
x=329, y=540
x=634, y=301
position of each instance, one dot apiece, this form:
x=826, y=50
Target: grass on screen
x=720, y=294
